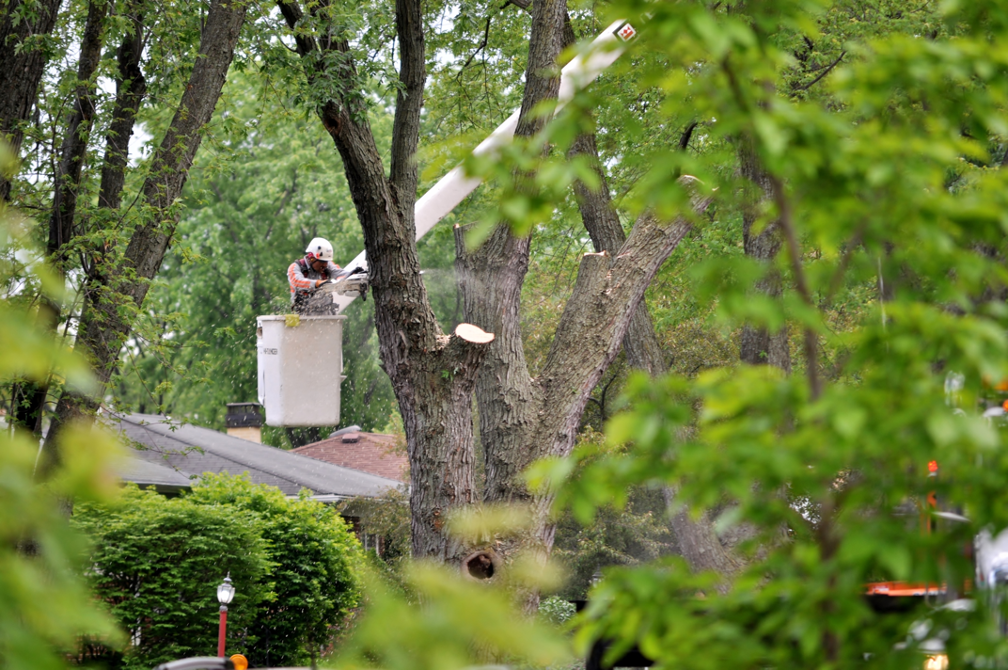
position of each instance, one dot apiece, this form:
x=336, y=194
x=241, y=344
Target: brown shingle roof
x=368, y=452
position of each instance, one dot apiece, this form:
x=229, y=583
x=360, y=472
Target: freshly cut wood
x=474, y=334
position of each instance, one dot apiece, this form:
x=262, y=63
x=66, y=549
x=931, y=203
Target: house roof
x=163, y=478
x=192, y=450
x=368, y=452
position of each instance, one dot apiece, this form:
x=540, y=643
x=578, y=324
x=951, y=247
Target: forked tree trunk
x=544, y=420
x=118, y=287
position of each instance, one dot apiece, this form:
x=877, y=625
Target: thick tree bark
x=118, y=289
x=22, y=61
x=432, y=375
x=28, y=414
x=490, y=281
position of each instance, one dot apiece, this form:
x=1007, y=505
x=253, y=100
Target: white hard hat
x=320, y=249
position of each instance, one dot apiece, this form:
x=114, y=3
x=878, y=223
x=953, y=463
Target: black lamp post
x=225, y=592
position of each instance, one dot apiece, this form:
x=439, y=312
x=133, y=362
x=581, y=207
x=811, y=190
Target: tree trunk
x=118, y=288
x=22, y=61
x=507, y=396
x=28, y=415
x=758, y=346
x=490, y=281
x=432, y=374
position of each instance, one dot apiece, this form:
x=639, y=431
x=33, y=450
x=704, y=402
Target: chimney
x=244, y=420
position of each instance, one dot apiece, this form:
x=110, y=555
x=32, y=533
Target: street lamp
x=225, y=592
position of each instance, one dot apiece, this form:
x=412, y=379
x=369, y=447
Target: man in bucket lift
x=307, y=275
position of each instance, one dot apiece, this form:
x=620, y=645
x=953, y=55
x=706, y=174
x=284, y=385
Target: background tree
x=73, y=233
x=120, y=283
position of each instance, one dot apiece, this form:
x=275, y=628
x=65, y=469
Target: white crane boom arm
x=452, y=189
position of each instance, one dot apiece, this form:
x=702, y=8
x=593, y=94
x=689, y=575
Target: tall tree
x=119, y=284
x=28, y=410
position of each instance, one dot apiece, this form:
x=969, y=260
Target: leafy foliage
x=45, y=606
x=157, y=562
x=887, y=174
x=456, y=624
x=555, y=610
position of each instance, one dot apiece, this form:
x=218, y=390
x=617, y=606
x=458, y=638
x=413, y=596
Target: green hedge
x=157, y=562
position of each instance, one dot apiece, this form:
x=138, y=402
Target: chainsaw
x=353, y=283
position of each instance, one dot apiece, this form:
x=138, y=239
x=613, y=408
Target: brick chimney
x=244, y=420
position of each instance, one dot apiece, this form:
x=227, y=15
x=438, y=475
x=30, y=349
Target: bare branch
x=479, y=47
x=822, y=74
x=687, y=135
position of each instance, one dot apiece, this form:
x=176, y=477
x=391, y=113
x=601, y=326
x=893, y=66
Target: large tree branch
x=603, y=225
x=432, y=375
x=606, y=294
x=399, y=291
x=409, y=101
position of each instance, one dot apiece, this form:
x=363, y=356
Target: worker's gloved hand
x=321, y=282
x=356, y=271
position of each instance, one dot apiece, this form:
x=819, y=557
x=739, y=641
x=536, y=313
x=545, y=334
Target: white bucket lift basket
x=300, y=369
